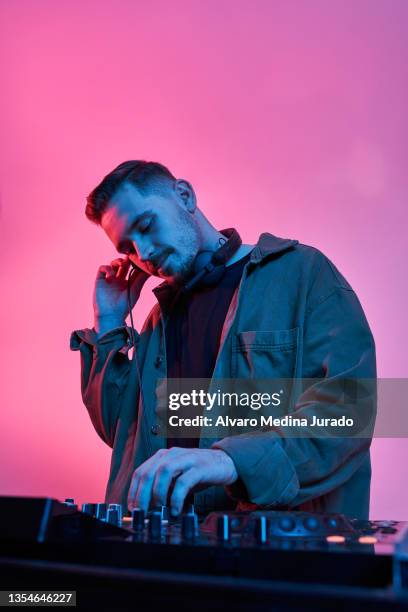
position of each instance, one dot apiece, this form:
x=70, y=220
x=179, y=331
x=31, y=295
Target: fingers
x=142, y=482
x=184, y=483
x=118, y=268
x=143, y=493
x=152, y=481
x=104, y=272
x=175, y=463
x=162, y=482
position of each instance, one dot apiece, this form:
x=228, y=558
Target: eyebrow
x=135, y=221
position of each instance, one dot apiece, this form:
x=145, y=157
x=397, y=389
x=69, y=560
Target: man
x=280, y=310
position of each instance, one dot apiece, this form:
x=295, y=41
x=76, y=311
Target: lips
x=157, y=264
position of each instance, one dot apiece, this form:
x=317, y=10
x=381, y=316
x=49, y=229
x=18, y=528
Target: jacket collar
x=267, y=245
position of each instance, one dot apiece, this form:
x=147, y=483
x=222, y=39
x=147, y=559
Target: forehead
x=126, y=204
x=126, y=201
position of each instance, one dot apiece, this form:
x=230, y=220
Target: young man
x=279, y=309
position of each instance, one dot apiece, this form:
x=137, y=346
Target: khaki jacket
x=292, y=315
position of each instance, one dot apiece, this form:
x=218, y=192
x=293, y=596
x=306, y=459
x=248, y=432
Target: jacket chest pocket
x=264, y=354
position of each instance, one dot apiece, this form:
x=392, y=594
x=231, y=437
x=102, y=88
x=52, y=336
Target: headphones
x=209, y=266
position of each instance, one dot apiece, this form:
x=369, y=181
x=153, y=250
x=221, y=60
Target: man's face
x=156, y=230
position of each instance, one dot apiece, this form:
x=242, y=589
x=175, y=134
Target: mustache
x=155, y=262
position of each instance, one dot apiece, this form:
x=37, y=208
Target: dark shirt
x=193, y=331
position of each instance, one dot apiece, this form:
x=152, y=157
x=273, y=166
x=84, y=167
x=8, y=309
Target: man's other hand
x=170, y=474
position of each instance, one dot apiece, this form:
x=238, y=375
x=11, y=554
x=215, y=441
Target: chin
x=168, y=274
x=176, y=274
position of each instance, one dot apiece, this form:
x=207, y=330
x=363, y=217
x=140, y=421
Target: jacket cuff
x=265, y=472
x=89, y=336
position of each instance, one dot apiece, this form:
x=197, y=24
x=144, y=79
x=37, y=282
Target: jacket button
x=158, y=361
x=155, y=429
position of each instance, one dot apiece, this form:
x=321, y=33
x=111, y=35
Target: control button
x=138, y=519
x=100, y=511
x=367, y=540
x=113, y=516
x=332, y=522
x=335, y=539
x=223, y=528
x=118, y=508
x=155, y=524
x=261, y=529
x=311, y=523
x=158, y=361
x=287, y=523
x=188, y=526
x=155, y=429
x=89, y=509
x=164, y=511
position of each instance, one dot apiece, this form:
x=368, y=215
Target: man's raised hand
x=110, y=300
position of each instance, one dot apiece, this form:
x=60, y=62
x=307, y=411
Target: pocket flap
x=272, y=339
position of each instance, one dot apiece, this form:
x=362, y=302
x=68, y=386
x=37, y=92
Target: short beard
x=185, y=271
x=190, y=242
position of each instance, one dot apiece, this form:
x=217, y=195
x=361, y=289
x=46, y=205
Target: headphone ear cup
x=217, y=259
x=202, y=259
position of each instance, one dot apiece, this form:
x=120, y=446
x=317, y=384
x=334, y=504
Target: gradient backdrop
x=287, y=116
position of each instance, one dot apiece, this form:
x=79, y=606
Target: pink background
x=287, y=116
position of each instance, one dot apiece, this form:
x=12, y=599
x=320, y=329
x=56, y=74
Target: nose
x=144, y=251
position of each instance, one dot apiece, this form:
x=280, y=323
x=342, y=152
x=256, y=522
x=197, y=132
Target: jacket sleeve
x=105, y=369
x=277, y=469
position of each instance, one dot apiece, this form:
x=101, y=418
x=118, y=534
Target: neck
x=211, y=242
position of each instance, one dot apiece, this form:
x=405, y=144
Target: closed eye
x=142, y=224
x=145, y=225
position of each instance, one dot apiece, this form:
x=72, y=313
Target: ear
x=186, y=194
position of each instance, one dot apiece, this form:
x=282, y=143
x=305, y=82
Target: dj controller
x=261, y=560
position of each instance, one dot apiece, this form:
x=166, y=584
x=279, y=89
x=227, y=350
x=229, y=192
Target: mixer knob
x=261, y=529
x=100, y=511
x=311, y=523
x=164, y=511
x=138, y=518
x=89, y=509
x=188, y=526
x=287, y=523
x=117, y=507
x=332, y=522
x=223, y=528
x=155, y=525
x=112, y=516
